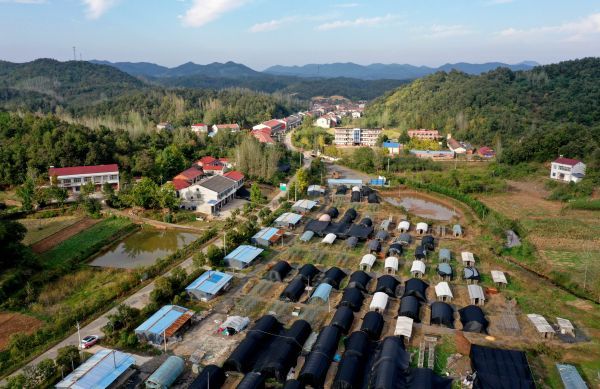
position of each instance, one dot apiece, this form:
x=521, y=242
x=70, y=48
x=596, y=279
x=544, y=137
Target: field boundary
x=58, y=237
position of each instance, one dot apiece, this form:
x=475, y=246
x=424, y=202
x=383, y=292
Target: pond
x=423, y=208
x=143, y=248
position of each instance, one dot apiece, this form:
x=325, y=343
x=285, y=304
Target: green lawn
x=81, y=246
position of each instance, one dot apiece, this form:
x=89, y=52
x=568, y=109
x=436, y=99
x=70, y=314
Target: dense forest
x=525, y=115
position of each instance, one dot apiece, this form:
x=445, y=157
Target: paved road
x=139, y=300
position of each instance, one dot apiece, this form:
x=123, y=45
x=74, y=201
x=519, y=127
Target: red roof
x=79, y=170
x=206, y=160
x=273, y=123
x=180, y=184
x=189, y=174
x=235, y=175
x=262, y=136
x=567, y=161
x=485, y=151
x=222, y=126
x=198, y=125
x=213, y=166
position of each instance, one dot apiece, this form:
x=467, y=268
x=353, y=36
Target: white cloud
x=97, y=8
x=445, y=31
x=360, y=22
x=570, y=31
x=205, y=11
x=267, y=26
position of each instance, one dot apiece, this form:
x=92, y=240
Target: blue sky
x=260, y=33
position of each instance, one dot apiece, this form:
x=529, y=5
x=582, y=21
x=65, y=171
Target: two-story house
x=567, y=169
x=72, y=178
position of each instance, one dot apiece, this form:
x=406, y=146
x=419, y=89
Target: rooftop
x=566, y=161
x=235, y=175
x=168, y=319
x=210, y=282
x=78, y=170
x=271, y=234
x=99, y=371
x=189, y=174
x=218, y=184
x=289, y=218
x=244, y=253
x=540, y=323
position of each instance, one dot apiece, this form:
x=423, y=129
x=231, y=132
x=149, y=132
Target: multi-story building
x=424, y=134
x=72, y=178
x=567, y=169
x=356, y=136
x=212, y=193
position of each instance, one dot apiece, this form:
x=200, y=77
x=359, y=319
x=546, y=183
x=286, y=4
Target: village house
x=486, y=152
x=459, y=147
x=73, y=178
x=164, y=126
x=392, y=147
x=199, y=127
x=274, y=125
x=325, y=122
x=356, y=136
x=231, y=127
x=356, y=114
x=567, y=169
x=210, y=194
x=424, y=134
x=263, y=135
x=188, y=177
x=292, y=122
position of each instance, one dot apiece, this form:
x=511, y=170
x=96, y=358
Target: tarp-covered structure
x=444, y=270
x=367, y=262
x=570, y=377
x=307, y=236
x=372, y=198
x=341, y=190
x=212, y=376
x=404, y=239
x=350, y=371
x=471, y=274
x=420, y=253
x=360, y=231
x=379, y=302
x=500, y=369
x=404, y=226
x=395, y=249
x=372, y=324
x=473, y=319
x=317, y=362
x=352, y=298
x=166, y=374
x=443, y=292
x=417, y=268
x=329, y=238
x=409, y=307
x=445, y=255
x=293, y=291
x=428, y=243
x=321, y=293
x=334, y=276
x=343, y=318
x=416, y=287
x=317, y=227
x=391, y=265
x=308, y=272
x=382, y=235
x=359, y=279
x=279, y=271
x=374, y=246
x=422, y=228
x=351, y=242
x=252, y=380
x=234, y=324
x=390, y=365
x=387, y=284
x=442, y=314
x=293, y=384
x=404, y=325
x=332, y=212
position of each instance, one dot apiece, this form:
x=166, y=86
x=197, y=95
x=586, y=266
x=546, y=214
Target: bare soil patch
x=12, y=323
x=62, y=235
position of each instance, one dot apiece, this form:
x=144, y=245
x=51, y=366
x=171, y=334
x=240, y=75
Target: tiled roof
x=206, y=160
x=262, y=136
x=180, y=184
x=75, y=170
x=567, y=161
x=213, y=166
x=189, y=174
x=235, y=175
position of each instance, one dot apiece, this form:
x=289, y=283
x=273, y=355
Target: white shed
x=443, y=292
x=404, y=226
x=422, y=228
x=467, y=258
x=499, y=278
x=391, y=265
x=404, y=327
x=476, y=294
x=329, y=238
x=417, y=269
x=541, y=325
x=379, y=302
x=367, y=262
x=565, y=326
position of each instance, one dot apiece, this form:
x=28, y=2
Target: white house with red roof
x=236, y=176
x=199, y=127
x=567, y=169
x=211, y=193
x=231, y=127
x=275, y=125
x=72, y=178
x=188, y=177
x=263, y=135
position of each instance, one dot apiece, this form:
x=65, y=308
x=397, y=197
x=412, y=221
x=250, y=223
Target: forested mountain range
x=528, y=115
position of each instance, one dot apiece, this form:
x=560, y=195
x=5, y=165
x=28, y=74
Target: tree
x=13, y=251
x=68, y=357
x=170, y=162
x=26, y=193
x=92, y=206
x=215, y=256
x=163, y=291
x=167, y=197
x=88, y=189
x=302, y=181
x=199, y=260
x=59, y=194
x=256, y=194
x=145, y=194
x=381, y=139
x=404, y=138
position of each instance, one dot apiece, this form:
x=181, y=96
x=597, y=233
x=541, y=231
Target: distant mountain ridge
x=376, y=71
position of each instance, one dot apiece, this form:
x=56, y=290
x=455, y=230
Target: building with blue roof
x=242, y=256
x=208, y=285
x=322, y=293
x=100, y=371
x=288, y=220
x=169, y=321
x=345, y=181
x=392, y=147
x=304, y=205
x=267, y=236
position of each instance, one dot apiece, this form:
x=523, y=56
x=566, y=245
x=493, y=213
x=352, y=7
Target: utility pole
x=165, y=338
x=79, y=334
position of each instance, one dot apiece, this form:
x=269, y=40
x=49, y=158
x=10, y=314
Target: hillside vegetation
x=525, y=115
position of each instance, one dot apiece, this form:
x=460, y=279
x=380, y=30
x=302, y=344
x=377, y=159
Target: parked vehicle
x=89, y=341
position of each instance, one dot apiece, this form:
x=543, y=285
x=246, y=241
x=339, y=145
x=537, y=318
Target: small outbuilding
x=457, y=231
x=387, y=284
x=169, y=321
x=382, y=235
x=471, y=274
x=374, y=246
x=372, y=198
x=570, y=377
x=329, y=238
x=233, y=325
x=355, y=196
x=208, y=285
x=267, y=236
x=307, y=236
x=541, y=325
x=294, y=290
x=404, y=226
x=333, y=212
x=352, y=298
x=308, y=272
x=334, y=276
x=473, y=319
x=166, y=374
x=420, y=253
x=443, y=292
x=304, y=206
x=468, y=259
x=417, y=269
x=324, y=218
x=315, y=190
x=242, y=256
x=422, y=228
x=404, y=326
x=442, y=314
x=288, y=220
x=499, y=278
x=395, y=249
x=476, y=294
x=101, y=370
x=416, y=287
x=321, y=293
x=409, y=307
x=385, y=224
x=351, y=242
x=379, y=302
x=372, y=324
x=445, y=255
x=211, y=376
x=366, y=221
x=428, y=243
x=343, y=318
x=252, y=380
x=279, y=271
x=444, y=270
x=367, y=262
x=391, y=265
x=565, y=326
x=404, y=239
x=359, y=279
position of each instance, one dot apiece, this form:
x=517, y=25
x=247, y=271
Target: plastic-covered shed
x=422, y=228
x=166, y=374
x=279, y=271
x=343, y=318
x=443, y=292
x=382, y=235
x=444, y=270
x=244, y=356
x=351, y=242
x=351, y=368
x=409, y=307
x=420, y=253
x=334, y=276
x=308, y=272
x=355, y=196
x=359, y=231
x=404, y=239
x=471, y=275
x=395, y=249
x=352, y=298
x=365, y=190
x=252, y=380
x=367, y=262
x=317, y=362
x=416, y=287
x=379, y=302
x=404, y=226
x=391, y=265
x=333, y=212
x=421, y=377
x=372, y=324
x=321, y=292
x=372, y=198
x=385, y=224
x=387, y=284
x=283, y=353
x=366, y=221
x=307, y=236
x=390, y=365
x=359, y=279
x=428, y=243
x=417, y=269
x=442, y=314
x=374, y=246
x=212, y=376
x=351, y=214
x=473, y=319
x=329, y=238
x=293, y=291
x=445, y=255
x=497, y=368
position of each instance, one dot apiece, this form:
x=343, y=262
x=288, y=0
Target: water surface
x=423, y=208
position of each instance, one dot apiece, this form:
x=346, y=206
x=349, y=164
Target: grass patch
x=588, y=205
x=79, y=247
x=38, y=229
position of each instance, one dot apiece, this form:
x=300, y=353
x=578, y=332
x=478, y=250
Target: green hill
x=529, y=115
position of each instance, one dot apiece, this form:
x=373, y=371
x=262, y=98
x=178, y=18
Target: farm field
x=38, y=229
x=12, y=322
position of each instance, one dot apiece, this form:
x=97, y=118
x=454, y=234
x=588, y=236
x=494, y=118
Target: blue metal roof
x=266, y=233
x=289, y=218
x=570, y=377
x=344, y=181
x=244, y=253
x=210, y=282
x=391, y=144
x=322, y=292
x=162, y=319
x=98, y=372
x=305, y=204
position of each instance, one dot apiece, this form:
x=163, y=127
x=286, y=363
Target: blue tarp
x=242, y=256
x=98, y=372
x=210, y=282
